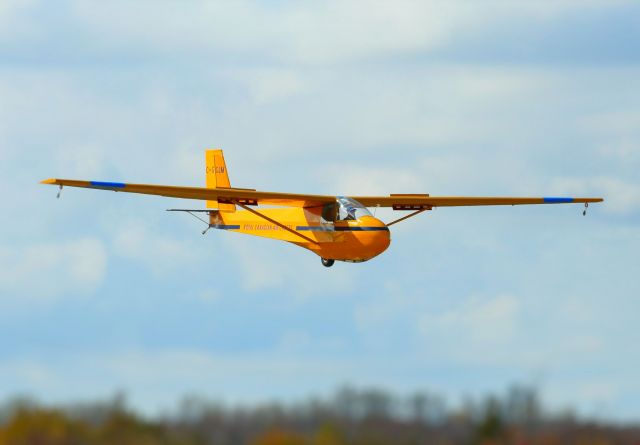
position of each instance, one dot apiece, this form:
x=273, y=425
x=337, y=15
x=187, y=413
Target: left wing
x=222, y=195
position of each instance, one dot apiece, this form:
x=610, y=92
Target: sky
x=104, y=292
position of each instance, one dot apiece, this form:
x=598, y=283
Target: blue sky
x=102, y=292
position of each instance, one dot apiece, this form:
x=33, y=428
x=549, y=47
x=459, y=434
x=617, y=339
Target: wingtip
x=49, y=181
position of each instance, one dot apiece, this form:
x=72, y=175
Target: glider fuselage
x=353, y=240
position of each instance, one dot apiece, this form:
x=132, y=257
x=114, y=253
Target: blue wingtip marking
x=557, y=200
x=117, y=185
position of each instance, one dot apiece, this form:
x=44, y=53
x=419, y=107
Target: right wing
x=417, y=202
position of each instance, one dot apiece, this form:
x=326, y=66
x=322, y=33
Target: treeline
x=349, y=417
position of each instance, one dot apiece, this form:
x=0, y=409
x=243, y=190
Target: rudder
x=217, y=176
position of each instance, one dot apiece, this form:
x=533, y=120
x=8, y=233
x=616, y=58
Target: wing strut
x=273, y=221
x=408, y=216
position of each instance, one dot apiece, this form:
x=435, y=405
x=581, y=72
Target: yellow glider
x=334, y=227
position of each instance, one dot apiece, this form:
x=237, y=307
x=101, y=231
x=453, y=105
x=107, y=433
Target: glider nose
x=374, y=236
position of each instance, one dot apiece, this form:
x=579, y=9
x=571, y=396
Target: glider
x=336, y=228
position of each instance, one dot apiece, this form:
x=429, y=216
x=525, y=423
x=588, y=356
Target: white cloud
x=544, y=10
x=619, y=121
x=305, y=32
x=53, y=269
x=437, y=174
x=159, y=252
x=266, y=85
x=618, y=133
x=482, y=323
x=208, y=295
x=428, y=108
x=265, y=265
x=392, y=305
x=12, y=22
x=316, y=32
x=260, y=271
x=479, y=331
x=356, y=179
x=339, y=30
x=626, y=150
x=80, y=161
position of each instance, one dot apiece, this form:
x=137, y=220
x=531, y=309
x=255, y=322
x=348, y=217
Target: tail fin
x=217, y=177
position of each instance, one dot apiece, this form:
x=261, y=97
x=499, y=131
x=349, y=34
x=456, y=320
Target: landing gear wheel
x=327, y=263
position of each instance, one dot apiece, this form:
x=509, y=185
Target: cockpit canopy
x=344, y=209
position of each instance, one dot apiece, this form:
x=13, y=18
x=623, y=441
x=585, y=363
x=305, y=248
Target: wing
x=253, y=197
x=222, y=195
x=417, y=202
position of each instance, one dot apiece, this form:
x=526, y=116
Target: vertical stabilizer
x=217, y=177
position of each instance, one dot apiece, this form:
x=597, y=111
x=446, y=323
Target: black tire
x=327, y=263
